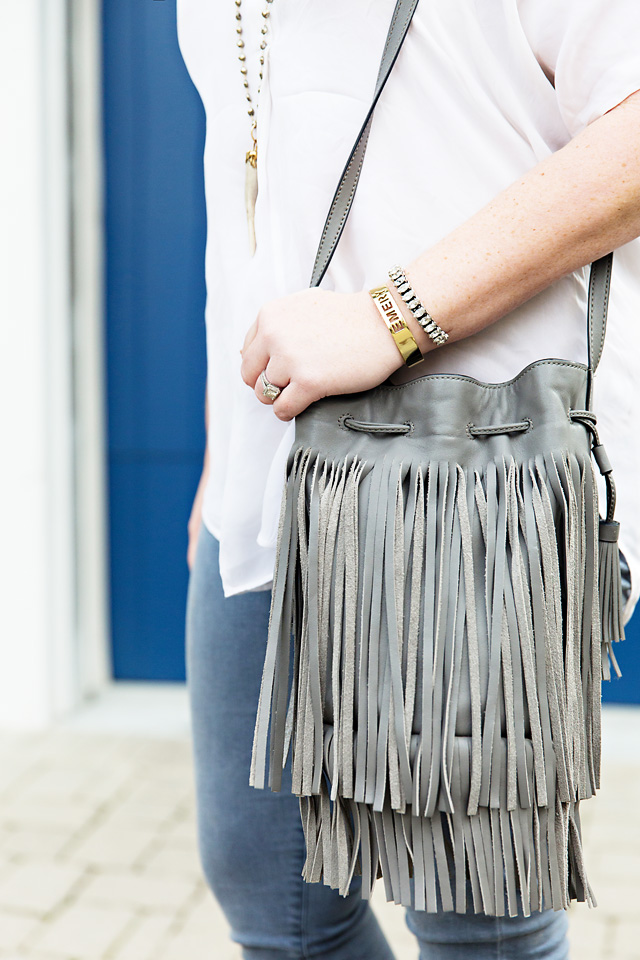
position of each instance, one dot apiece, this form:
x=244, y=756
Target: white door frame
x=91, y=524
x=53, y=596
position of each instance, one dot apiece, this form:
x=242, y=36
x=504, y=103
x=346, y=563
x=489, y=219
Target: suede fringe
x=443, y=688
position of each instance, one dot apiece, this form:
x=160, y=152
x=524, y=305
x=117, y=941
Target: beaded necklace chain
x=251, y=158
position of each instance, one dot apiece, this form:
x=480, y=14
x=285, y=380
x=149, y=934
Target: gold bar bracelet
x=404, y=339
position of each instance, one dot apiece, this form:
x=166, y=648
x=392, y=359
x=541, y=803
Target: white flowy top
x=481, y=92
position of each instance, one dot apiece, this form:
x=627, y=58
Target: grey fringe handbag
x=444, y=602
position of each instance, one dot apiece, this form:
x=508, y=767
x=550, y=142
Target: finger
x=291, y=402
x=251, y=332
x=275, y=374
x=254, y=359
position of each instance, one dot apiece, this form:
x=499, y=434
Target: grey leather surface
x=442, y=407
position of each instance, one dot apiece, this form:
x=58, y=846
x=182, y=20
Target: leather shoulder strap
x=598, y=307
x=600, y=276
x=343, y=197
x=599, y=286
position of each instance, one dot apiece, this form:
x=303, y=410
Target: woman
x=503, y=157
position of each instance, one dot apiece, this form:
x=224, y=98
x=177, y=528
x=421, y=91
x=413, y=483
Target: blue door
x=155, y=224
x=155, y=235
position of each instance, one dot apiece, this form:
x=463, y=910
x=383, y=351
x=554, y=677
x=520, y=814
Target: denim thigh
x=250, y=841
x=471, y=936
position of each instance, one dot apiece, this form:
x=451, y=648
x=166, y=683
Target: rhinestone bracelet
x=423, y=317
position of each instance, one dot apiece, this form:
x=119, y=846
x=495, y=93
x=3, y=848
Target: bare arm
x=579, y=203
x=195, y=518
x=574, y=207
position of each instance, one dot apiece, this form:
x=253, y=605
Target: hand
x=195, y=518
x=317, y=343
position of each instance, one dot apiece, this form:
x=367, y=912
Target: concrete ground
x=98, y=856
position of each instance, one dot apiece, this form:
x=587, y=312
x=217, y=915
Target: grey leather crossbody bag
x=444, y=602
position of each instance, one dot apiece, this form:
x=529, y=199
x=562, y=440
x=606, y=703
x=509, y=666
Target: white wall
x=47, y=665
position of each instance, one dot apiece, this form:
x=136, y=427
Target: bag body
x=441, y=587
x=443, y=606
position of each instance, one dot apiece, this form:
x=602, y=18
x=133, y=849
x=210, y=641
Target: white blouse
x=481, y=92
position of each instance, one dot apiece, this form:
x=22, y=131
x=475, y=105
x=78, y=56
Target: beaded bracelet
x=424, y=318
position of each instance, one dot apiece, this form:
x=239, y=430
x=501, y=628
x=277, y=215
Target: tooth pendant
x=250, y=197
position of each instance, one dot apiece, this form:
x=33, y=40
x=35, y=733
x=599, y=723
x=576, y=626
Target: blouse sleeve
x=589, y=49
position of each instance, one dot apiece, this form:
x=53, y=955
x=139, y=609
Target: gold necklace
x=251, y=158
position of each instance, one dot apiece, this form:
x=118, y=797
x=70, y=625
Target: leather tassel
x=609, y=574
x=610, y=588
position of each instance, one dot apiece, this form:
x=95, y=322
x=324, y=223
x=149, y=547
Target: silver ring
x=269, y=390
